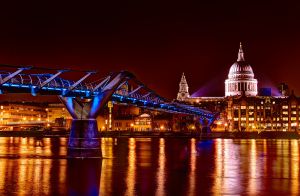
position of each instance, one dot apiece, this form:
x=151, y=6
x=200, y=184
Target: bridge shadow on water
x=83, y=176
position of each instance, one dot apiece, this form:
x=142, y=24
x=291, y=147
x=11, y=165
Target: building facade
x=242, y=109
x=22, y=115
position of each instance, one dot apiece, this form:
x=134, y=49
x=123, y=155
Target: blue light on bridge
x=96, y=96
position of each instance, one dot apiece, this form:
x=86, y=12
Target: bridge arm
x=51, y=78
x=9, y=77
x=135, y=90
x=79, y=81
x=101, y=84
x=146, y=95
x=100, y=100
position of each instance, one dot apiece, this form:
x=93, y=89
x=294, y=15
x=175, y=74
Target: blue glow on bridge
x=47, y=84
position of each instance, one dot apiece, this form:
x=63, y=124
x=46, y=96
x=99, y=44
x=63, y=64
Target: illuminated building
x=21, y=114
x=264, y=113
x=29, y=114
x=131, y=118
x=241, y=78
x=57, y=115
x=183, y=93
x=241, y=109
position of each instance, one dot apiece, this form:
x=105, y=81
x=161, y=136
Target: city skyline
x=200, y=39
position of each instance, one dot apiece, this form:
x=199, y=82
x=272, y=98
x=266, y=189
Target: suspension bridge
x=85, y=100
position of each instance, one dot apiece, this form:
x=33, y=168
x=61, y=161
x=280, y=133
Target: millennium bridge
x=85, y=100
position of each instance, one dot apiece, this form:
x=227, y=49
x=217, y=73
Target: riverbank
x=148, y=134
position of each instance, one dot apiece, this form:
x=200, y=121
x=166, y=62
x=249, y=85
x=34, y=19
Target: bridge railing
x=130, y=91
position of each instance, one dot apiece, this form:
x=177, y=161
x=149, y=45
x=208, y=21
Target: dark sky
x=157, y=41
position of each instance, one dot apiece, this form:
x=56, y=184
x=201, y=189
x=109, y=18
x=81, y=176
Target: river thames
x=156, y=166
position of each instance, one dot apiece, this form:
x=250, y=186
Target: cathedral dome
x=240, y=78
x=240, y=70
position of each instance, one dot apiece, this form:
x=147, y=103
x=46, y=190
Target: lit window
x=261, y=102
x=294, y=124
x=251, y=113
x=236, y=119
x=258, y=107
x=251, y=119
x=251, y=107
x=293, y=118
x=285, y=107
x=243, y=107
x=294, y=112
x=285, y=112
x=1, y=107
x=293, y=106
x=285, y=118
x=243, y=119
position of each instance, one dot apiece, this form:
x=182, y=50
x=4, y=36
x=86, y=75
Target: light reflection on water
x=157, y=166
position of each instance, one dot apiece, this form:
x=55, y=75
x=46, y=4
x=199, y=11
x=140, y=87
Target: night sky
x=156, y=41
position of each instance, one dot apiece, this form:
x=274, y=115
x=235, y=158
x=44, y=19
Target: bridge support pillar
x=206, y=125
x=84, y=140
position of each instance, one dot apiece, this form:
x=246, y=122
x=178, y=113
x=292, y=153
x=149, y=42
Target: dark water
x=151, y=167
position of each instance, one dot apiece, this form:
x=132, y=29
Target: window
x=294, y=112
x=285, y=107
x=243, y=112
x=251, y=119
x=251, y=107
x=243, y=119
x=236, y=119
x=118, y=124
x=285, y=118
x=293, y=118
x=293, y=106
x=243, y=107
x=236, y=113
x=285, y=112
